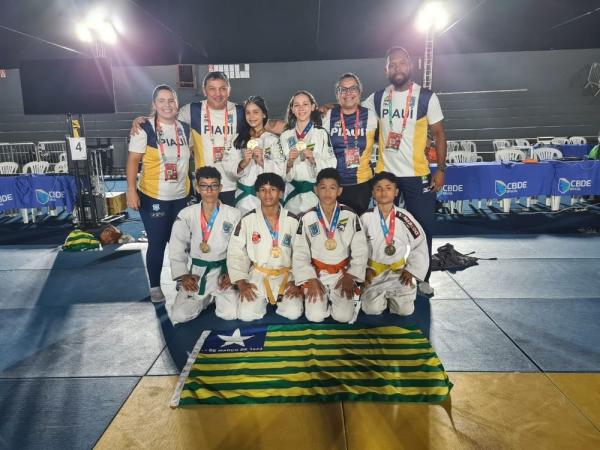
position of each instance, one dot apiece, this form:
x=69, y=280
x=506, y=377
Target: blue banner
x=37, y=191
x=491, y=180
x=576, y=178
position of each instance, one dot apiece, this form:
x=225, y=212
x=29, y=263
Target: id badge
x=393, y=141
x=218, y=154
x=171, y=172
x=352, y=156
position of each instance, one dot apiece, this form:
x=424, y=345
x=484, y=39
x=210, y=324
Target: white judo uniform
x=184, y=250
x=311, y=259
x=249, y=258
x=299, y=193
x=411, y=254
x=274, y=161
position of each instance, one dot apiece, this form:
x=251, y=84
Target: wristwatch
x=442, y=167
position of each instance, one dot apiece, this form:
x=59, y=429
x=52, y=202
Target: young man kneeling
x=397, y=252
x=201, y=232
x=259, y=257
x=330, y=254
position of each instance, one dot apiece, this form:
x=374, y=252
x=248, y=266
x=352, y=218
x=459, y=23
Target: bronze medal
x=330, y=244
x=275, y=252
x=204, y=247
x=390, y=250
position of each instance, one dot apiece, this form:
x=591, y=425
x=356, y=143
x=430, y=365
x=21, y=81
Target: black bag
x=447, y=258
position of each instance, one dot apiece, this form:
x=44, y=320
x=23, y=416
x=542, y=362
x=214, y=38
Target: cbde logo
x=449, y=189
x=44, y=197
x=503, y=188
x=565, y=185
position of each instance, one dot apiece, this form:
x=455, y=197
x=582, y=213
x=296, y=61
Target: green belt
x=300, y=187
x=210, y=265
x=246, y=191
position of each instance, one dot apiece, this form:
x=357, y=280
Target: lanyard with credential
x=159, y=133
x=225, y=128
x=406, y=108
x=356, y=126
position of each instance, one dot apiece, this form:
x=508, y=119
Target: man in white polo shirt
x=406, y=111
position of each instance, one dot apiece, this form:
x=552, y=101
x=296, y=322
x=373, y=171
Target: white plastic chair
x=560, y=140
x=546, y=153
x=468, y=146
x=577, y=140
x=522, y=143
x=61, y=167
x=452, y=146
x=500, y=143
x=462, y=156
x=62, y=157
x=509, y=154
x=594, y=77
x=37, y=167
x=8, y=168
x=545, y=139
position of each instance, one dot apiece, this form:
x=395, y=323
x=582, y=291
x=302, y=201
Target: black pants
x=158, y=217
x=357, y=197
x=228, y=198
x=420, y=202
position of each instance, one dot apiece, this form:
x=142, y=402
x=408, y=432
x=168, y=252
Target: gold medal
x=330, y=244
x=390, y=249
x=275, y=252
x=252, y=144
x=204, y=247
x=301, y=146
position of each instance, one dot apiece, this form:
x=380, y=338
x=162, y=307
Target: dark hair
x=315, y=116
x=244, y=130
x=208, y=172
x=269, y=178
x=396, y=48
x=349, y=75
x=329, y=173
x=215, y=76
x=383, y=176
x=163, y=87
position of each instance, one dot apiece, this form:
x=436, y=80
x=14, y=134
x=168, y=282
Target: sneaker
x=425, y=288
x=156, y=295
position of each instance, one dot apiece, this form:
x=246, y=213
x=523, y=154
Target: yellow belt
x=379, y=268
x=273, y=273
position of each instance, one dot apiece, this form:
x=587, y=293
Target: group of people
x=313, y=149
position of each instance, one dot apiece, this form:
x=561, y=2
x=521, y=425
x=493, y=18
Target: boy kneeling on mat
x=201, y=232
x=259, y=257
x=397, y=252
x=330, y=254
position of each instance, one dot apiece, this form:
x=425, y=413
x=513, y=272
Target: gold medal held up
x=204, y=247
x=275, y=252
x=330, y=244
x=301, y=146
x=252, y=144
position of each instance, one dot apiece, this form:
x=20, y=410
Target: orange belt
x=331, y=269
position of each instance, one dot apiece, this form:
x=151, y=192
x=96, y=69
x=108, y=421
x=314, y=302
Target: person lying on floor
x=259, y=257
x=330, y=254
x=201, y=232
x=397, y=252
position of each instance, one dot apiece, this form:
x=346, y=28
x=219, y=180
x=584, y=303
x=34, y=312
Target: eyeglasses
x=349, y=90
x=209, y=187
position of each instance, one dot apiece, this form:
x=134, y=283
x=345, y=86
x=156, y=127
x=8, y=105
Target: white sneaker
x=425, y=288
x=156, y=295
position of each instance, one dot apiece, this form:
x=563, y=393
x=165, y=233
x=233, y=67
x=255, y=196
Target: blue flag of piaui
x=312, y=363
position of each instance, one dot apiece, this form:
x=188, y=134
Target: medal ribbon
x=207, y=228
x=356, y=126
x=274, y=232
x=388, y=234
x=336, y=215
x=404, y=113
x=301, y=136
x=161, y=146
x=225, y=128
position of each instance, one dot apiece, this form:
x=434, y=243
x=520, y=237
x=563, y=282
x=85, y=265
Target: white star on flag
x=235, y=339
